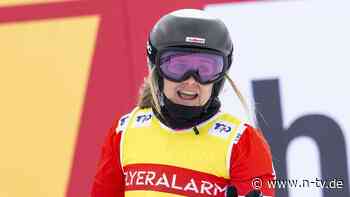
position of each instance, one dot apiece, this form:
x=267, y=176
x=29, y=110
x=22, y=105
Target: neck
x=178, y=116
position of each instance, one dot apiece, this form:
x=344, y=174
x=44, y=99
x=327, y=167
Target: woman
x=178, y=142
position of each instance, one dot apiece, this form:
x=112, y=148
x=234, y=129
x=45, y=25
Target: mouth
x=187, y=95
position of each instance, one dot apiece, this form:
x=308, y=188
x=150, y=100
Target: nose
x=190, y=81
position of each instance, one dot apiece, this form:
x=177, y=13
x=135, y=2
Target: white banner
x=294, y=58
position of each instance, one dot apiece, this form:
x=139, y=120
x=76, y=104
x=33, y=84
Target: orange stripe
x=41, y=11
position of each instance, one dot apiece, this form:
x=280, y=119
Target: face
x=188, y=92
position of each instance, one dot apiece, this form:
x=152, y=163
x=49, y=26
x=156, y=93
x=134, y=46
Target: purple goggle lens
x=178, y=66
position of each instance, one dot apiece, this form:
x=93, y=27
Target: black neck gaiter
x=178, y=116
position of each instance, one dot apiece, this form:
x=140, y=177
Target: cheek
x=206, y=91
x=169, y=89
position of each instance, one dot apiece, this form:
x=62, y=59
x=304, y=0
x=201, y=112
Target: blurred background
x=69, y=67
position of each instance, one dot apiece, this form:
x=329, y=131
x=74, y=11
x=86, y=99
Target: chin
x=189, y=103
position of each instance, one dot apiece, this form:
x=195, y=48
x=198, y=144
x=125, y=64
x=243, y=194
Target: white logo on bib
x=143, y=120
x=123, y=122
x=221, y=129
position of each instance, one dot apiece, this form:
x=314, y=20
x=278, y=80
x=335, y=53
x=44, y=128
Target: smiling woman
x=178, y=141
x=189, y=92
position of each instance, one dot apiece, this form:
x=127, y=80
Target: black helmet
x=191, y=28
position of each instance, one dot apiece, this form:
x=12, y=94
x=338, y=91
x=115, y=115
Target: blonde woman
x=177, y=141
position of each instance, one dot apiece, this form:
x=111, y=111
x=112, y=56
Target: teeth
x=189, y=93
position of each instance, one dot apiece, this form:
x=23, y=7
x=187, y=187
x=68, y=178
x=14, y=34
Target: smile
x=187, y=95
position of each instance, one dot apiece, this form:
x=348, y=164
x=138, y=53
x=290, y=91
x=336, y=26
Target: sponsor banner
x=175, y=180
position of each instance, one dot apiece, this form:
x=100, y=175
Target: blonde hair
x=149, y=93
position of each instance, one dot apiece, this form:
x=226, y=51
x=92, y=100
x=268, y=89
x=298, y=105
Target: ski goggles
x=179, y=64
